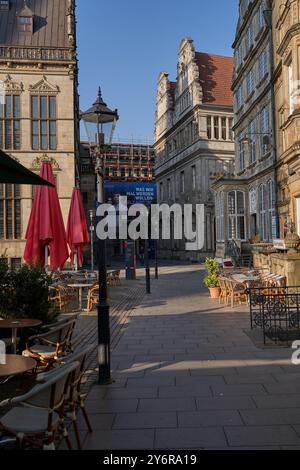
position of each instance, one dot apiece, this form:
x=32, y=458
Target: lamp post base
x=104, y=344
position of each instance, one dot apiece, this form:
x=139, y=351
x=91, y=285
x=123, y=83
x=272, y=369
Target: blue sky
x=124, y=45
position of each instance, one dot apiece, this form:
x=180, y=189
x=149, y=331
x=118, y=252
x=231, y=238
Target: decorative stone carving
x=43, y=86
x=292, y=240
x=10, y=86
x=37, y=163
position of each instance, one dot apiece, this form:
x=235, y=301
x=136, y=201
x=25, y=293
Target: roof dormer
x=25, y=19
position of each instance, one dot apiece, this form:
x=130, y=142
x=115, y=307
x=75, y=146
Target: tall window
x=224, y=128
x=242, y=152
x=252, y=142
x=194, y=182
x=161, y=191
x=43, y=123
x=236, y=216
x=209, y=130
x=230, y=129
x=182, y=182
x=249, y=38
x=216, y=127
x=10, y=113
x=10, y=212
x=262, y=195
x=265, y=128
x=263, y=64
x=220, y=217
x=267, y=222
x=240, y=97
x=250, y=82
x=291, y=87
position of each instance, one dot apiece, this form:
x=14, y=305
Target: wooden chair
x=39, y=414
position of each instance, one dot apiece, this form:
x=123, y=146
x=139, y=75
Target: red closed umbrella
x=77, y=231
x=46, y=226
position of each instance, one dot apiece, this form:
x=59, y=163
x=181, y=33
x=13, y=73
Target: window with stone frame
x=236, y=215
x=10, y=122
x=267, y=222
x=43, y=122
x=10, y=212
x=263, y=63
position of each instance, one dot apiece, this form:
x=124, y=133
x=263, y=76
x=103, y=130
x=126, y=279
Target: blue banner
x=137, y=193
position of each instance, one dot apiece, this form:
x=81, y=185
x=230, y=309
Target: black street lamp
x=100, y=123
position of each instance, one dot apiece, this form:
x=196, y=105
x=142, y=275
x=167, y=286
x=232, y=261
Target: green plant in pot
x=211, y=280
x=25, y=294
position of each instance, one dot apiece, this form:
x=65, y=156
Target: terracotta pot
x=214, y=292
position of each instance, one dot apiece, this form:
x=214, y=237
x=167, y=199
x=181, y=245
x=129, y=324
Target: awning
x=13, y=172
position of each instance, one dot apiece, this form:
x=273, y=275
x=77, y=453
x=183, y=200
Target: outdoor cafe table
x=16, y=365
x=80, y=288
x=14, y=325
x=244, y=278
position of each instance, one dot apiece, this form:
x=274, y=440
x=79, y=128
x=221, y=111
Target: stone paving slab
x=189, y=377
x=261, y=435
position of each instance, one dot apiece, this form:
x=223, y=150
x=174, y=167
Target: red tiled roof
x=216, y=74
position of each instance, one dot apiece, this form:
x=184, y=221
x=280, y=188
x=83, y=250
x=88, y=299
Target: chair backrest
x=49, y=394
x=60, y=334
x=78, y=356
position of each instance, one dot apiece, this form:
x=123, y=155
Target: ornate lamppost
x=100, y=123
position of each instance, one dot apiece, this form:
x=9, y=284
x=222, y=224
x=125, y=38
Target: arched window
x=236, y=216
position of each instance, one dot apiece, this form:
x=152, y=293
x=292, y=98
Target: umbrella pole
x=76, y=260
x=46, y=258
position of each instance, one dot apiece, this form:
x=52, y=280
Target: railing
x=276, y=310
x=35, y=53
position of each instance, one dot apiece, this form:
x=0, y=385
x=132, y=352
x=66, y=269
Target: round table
x=14, y=324
x=16, y=365
x=80, y=288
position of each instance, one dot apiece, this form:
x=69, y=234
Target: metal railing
x=276, y=310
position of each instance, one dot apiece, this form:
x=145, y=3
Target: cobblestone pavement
x=188, y=377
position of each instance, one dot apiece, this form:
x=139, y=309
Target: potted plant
x=211, y=280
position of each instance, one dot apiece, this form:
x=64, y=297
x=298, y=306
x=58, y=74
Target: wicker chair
x=224, y=290
x=40, y=417
x=48, y=347
x=74, y=398
x=237, y=292
x=93, y=297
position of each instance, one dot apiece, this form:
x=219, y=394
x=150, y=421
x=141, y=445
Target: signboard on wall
x=137, y=193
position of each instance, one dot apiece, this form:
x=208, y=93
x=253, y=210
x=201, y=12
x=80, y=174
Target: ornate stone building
x=38, y=105
x=286, y=27
x=246, y=204
x=193, y=137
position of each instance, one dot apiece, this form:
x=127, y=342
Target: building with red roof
x=194, y=141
